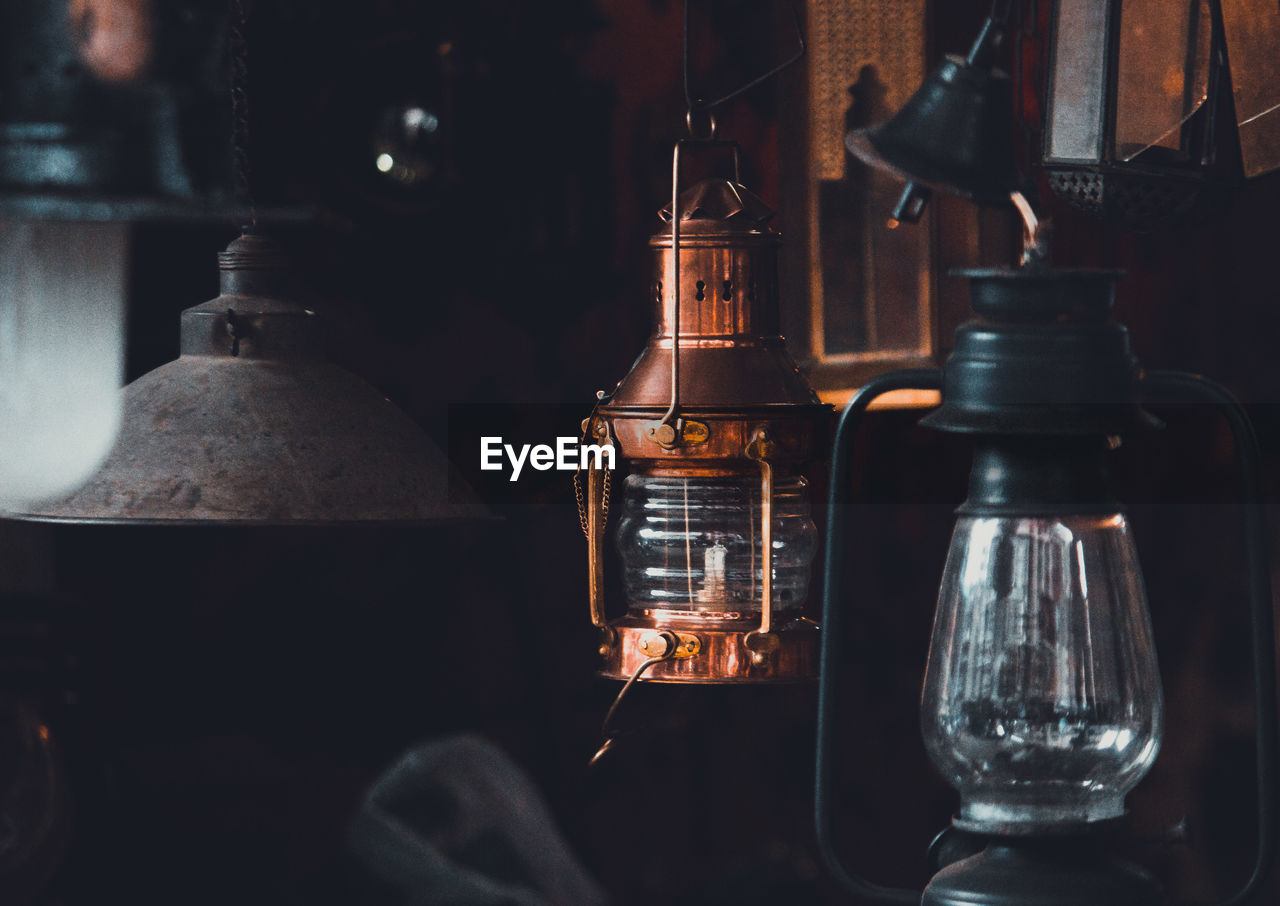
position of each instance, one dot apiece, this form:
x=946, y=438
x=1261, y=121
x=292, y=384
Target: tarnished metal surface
x=269, y=434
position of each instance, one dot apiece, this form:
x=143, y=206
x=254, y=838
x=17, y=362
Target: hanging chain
x=588, y=432
x=580, y=496
x=238, y=48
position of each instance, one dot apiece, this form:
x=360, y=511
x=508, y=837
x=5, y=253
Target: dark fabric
x=456, y=823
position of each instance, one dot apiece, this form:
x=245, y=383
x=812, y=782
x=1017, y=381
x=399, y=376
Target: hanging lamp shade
x=952, y=135
x=251, y=425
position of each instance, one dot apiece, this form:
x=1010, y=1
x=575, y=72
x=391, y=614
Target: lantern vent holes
x=726, y=290
x=701, y=291
x=1132, y=201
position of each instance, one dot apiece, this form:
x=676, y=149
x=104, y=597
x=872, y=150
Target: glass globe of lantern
x=694, y=545
x=1042, y=701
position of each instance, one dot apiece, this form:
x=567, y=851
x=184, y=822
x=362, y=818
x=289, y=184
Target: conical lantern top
x=722, y=202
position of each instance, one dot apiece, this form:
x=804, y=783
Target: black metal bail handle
x=1177, y=385
x=823, y=810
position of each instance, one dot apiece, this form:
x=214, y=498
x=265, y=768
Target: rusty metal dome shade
x=250, y=425
x=953, y=135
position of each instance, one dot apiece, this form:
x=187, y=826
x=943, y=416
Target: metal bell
x=953, y=135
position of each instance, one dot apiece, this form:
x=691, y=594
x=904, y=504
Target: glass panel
x=1253, y=34
x=1078, y=81
x=695, y=543
x=872, y=270
x=1163, y=75
x=1042, y=698
x=871, y=286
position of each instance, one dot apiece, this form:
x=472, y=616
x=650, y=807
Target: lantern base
x=1075, y=870
x=722, y=653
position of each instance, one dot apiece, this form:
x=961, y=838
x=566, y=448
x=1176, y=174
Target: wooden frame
x=862, y=298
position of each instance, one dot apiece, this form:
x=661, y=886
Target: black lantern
x=1131, y=106
x=1042, y=701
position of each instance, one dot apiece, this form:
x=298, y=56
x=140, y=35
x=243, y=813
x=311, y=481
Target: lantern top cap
x=1042, y=293
x=722, y=205
x=252, y=250
x=255, y=264
x=1042, y=359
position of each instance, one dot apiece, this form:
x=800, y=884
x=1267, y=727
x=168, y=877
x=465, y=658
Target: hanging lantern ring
x=701, y=122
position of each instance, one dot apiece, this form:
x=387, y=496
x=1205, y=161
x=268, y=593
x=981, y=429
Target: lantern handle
x=762, y=642
x=667, y=432
x=594, y=515
x=672, y=643
x=823, y=812
x=1183, y=385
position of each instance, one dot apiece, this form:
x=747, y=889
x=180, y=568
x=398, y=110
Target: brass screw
x=664, y=435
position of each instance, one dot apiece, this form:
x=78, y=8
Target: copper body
x=741, y=407
x=722, y=658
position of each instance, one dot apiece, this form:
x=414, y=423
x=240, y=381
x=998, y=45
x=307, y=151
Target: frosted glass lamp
x=62, y=291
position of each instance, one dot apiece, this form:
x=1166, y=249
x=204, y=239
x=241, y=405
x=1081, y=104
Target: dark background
x=222, y=697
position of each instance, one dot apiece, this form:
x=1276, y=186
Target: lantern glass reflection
x=694, y=544
x=62, y=290
x=1042, y=699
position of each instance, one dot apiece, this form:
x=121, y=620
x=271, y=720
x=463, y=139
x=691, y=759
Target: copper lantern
x=716, y=535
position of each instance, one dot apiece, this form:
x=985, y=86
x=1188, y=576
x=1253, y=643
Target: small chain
x=580, y=495
x=238, y=47
x=582, y=506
